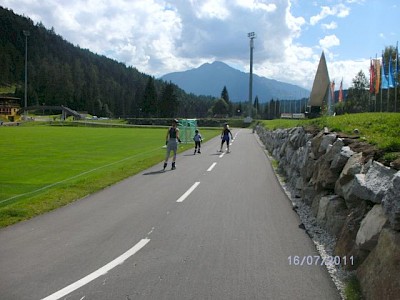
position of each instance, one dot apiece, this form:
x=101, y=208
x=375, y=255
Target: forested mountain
x=208, y=79
x=60, y=73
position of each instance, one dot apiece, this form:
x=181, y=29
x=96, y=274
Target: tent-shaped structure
x=320, y=92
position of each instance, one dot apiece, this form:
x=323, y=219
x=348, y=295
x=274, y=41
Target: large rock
x=308, y=193
x=302, y=156
x=321, y=214
x=395, y=164
x=391, y=203
x=307, y=170
x=346, y=242
x=327, y=139
x=336, y=215
x=315, y=144
x=296, y=137
x=316, y=202
x=351, y=168
x=376, y=182
x=340, y=160
x=379, y=274
x=324, y=176
x=370, y=228
x=332, y=213
x=371, y=185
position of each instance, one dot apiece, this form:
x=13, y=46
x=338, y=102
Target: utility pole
x=252, y=36
x=26, y=33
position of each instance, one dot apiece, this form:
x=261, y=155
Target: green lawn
x=45, y=167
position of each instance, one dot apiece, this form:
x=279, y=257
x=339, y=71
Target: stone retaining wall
x=355, y=198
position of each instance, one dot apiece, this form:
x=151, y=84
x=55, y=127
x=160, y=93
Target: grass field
x=380, y=129
x=45, y=167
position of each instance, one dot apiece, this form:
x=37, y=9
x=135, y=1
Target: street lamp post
x=252, y=36
x=26, y=33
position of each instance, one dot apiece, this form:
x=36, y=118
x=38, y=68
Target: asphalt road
x=229, y=236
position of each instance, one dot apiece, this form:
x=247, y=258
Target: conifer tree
x=149, y=102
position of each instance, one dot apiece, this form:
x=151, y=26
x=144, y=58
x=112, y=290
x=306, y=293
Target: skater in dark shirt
x=226, y=132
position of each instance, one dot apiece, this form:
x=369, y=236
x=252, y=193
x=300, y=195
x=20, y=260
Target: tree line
x=60, y=73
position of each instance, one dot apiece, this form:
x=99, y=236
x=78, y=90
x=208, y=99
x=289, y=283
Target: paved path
x=229, y=236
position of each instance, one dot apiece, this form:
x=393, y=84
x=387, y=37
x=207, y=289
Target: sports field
x=45, y=167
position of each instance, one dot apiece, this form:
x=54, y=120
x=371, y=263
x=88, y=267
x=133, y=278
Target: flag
x=390, y=74
x=371, y=78
x=377, y=75
x=384, y=77
x=341, y=91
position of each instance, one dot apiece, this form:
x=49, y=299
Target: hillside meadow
x=45, y=167
x=379, y=129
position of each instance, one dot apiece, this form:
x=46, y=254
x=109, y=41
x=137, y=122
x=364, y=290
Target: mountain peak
x=215, y=64
x=210, y=79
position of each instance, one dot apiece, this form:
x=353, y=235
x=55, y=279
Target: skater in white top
x=197, y=142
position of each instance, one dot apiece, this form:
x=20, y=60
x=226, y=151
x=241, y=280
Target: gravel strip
x=323, y=241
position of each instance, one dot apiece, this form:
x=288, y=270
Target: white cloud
x=356, y=1
x=330, y=26
x=347, y=70
x=294, y=23
x=211, y=9
x=339, y=10
x=254, y=5
x=329, y=41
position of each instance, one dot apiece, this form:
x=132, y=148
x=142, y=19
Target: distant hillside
x=209, y=79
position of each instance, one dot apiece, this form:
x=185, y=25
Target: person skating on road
x=172, y=140
x=226, y=132
x=197, y=142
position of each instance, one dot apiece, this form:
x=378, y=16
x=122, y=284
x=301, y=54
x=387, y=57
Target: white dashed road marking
x=188, y=192
x=96, y=274
x=211, y=167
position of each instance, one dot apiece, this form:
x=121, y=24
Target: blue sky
x=159, y=37
x=363, y=32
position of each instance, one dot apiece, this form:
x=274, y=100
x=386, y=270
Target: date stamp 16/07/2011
x=315, y=260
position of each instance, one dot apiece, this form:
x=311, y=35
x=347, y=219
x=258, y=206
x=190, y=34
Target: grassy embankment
x=379, y=129
x=45, y=167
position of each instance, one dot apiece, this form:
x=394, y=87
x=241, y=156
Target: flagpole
x=382, y=75
x=396, y=79
x=389, y=76
x=376, y=78
x=387, y=102
x=381, y=96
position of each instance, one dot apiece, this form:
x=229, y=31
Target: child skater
x=197, y=142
